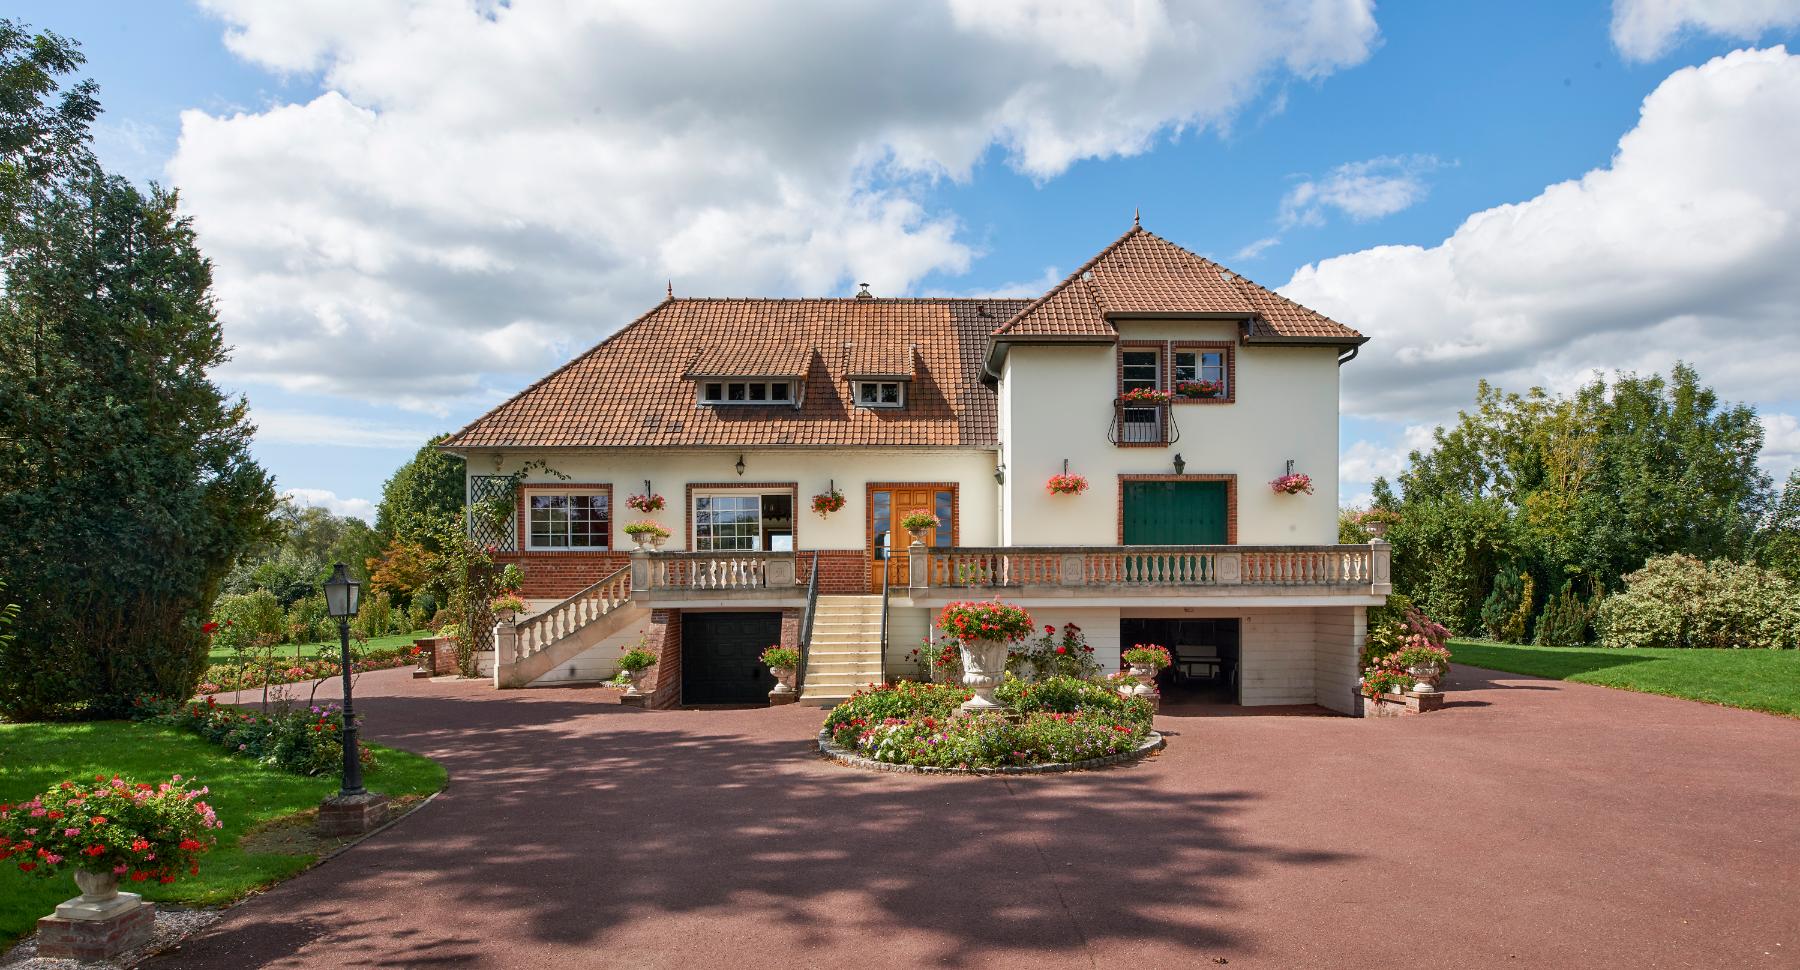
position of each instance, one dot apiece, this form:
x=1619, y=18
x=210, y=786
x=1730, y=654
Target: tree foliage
x=1679, y=601
x=423, y=497
x=1577, y=489
x=126, y=485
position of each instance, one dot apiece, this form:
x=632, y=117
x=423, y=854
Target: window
x=569, y=521
x=744, y=522
x=1140, y=369
x=1212, y=366
x=880, y=394
x=746, y=392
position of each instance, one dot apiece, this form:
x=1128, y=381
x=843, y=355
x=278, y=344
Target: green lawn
x=1757, y=680
x=291, y=651
x=34, y=757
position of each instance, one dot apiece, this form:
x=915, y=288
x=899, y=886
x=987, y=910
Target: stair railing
x=806, y=622
x=887, y=571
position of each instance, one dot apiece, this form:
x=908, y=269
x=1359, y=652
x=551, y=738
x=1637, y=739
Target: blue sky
x=1395, y=135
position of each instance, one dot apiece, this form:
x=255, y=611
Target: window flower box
x=1145, y=395
x=1199, y=390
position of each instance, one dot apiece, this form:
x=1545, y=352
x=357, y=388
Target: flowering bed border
x=1153, y=742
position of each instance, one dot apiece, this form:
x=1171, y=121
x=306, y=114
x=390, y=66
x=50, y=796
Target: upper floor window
x=1202, y=373
x=746, y=392
x=880, y=394
x=1140, y=368
x=744, y=521
x=568, y=520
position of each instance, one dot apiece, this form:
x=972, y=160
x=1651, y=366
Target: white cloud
x=1644, y=29
x=1684, y=247
x=484, y=187
x=360, y=508
x=1257, y=248
x=301, y=428
x=1364, y=461
x=1361, y=190
x=1781, y=444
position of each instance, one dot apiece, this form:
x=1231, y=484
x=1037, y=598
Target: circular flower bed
x=1053, y=725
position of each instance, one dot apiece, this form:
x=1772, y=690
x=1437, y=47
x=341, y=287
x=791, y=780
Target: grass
x=247, y=796
x=1756, y=680
x=291, y=651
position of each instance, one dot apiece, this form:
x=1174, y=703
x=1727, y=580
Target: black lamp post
x=342, y=596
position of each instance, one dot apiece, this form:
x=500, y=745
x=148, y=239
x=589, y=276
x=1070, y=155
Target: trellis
x=484, y=532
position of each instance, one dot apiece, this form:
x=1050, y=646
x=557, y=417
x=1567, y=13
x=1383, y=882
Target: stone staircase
x=846, y=649
x=538, y=644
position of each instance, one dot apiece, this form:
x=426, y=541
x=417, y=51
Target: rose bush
x=135, y=830
x=1055, y=653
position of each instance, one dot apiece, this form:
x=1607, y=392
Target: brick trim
x=1231, y=504
x=688, y=503
x=523, y=527
x=1230, y=349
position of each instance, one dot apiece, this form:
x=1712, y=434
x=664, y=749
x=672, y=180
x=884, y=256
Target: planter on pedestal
x=784, y=679
x=99, y=924
x=1425, y=678
x=1145, y=675
x=984, y=664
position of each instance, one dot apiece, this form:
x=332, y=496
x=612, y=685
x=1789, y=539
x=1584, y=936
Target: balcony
x=1137, y=423
x=1272, y=573
x=670, y=578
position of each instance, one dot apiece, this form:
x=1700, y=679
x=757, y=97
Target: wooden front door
x=1175, y=513
x=888, y=540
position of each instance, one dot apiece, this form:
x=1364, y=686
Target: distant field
x=1757, y=680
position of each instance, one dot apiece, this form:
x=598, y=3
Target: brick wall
x=559, y=575
x=665, y=638
x=840, y=570
x=790, y=626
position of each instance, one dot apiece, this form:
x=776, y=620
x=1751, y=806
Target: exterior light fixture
x=342, y=597
x=1000, y=474
x=740, y=465
x=1180, y=464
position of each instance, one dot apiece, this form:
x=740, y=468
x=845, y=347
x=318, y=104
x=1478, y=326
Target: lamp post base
x=351, y=814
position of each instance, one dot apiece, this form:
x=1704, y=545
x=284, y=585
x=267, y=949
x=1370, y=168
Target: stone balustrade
x=1325, y=568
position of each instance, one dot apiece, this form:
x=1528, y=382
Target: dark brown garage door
x=719, y=657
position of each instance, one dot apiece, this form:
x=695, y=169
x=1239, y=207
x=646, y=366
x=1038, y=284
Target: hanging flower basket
x=1144, y=395
x=1292, y=484
x=645, y=503
x=825, y=503
x=1195, y=390
x=1067, y=484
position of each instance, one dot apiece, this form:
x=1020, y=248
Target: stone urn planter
x=784, y=680
x=643, y=541
x=984, y=665
x=1145, y=675
x=1425, y=678
x=918, y=536
x=100, y=897
x=636, y=678
x=657, y=542
x=1377, y=528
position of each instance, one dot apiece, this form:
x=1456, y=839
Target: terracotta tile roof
x=747, y=355
x=631, y=388
x=1141, y=273
x=892, y=358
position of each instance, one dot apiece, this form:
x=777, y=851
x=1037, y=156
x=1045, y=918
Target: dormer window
x=881, y=394
x=746, y=392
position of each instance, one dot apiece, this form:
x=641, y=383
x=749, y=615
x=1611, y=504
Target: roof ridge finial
x=1136, y=223
x=671, y=289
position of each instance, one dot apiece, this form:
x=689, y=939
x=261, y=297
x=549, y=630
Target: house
x=737, y=412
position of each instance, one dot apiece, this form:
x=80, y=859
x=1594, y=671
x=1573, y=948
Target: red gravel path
x=1529, y=824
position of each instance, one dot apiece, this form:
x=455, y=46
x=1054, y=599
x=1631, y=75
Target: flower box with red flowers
x=1199, y=390
x=1067, y=484
x=1293, y=484
x=1145, y=395
x=825, y=503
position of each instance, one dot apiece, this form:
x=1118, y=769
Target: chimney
x=864, y=294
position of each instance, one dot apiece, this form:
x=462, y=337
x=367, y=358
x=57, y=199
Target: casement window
x=880, y=394
x=1213, y=366
x=746, y=392
x=1140, y=368
x=568, y=520
x=744, y=521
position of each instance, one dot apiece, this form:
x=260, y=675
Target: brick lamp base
x=352, y=814
x=64, y=938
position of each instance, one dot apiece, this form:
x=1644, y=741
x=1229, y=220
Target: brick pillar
x=664, y=632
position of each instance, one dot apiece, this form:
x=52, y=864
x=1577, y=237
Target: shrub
x=991, y=620
x=1504, y=611
x=944, y=655
x=1567, y=619
x=1054, y=653
x=220, y=678
x=1678, y=601
x=1393, y=644
x=248, y=620
x=376, y=616
x=134, y=829
x=1057, y=721
x=308, y=621
x=780, y=656
x=305, y=741
x=637, y=658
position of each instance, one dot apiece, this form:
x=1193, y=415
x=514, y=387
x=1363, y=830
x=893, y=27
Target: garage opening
x=720, y=657
x=1207, y=654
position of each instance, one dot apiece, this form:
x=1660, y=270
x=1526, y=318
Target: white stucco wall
x=599, y=662
x=671, y=470
x=1056, y=403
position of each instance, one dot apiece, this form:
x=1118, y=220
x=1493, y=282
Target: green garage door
x=1175, y=513
x=719, y=657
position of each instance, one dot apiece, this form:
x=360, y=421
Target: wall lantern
x=1180, y=464
x=740, y=465
x=1000, y=474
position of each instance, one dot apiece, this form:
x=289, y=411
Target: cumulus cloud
x=1361, y=190
x=483, y=186
x=1644, y=29
x=1781, y=444
x=1683, y=247
x=280, y=427
x=357, y=508
x=1257, y=248
x=1365, y=460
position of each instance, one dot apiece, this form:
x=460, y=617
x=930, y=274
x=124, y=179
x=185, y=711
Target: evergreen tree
x=126, y=485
